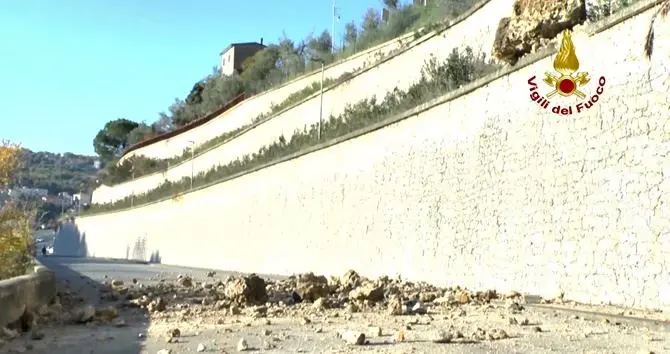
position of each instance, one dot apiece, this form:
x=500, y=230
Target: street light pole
x=321, y=104
x=132, y=195
x=332, y=33
x=192, y=155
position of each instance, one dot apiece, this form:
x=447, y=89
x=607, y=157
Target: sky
x=69, y=66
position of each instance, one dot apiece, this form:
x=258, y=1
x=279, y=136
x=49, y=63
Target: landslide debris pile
x=184, y=299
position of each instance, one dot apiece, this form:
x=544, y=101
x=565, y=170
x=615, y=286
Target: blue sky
x=69, y=66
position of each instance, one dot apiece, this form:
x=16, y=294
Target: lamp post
x=320, y=60
x=192, y=155
x=132, y=194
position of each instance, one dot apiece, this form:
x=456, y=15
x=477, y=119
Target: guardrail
x=26, y=293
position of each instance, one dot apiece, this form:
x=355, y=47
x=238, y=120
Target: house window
x=223, y=61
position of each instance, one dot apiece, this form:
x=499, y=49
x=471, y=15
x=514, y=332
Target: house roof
x=242, y=44
x=188, y=126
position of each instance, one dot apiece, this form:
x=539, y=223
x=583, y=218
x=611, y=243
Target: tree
x=350, y=33
x=371, y=20
x=649, y=43
x=10, y=158
x=140, y=133
x=391, y=4
x=111, y=140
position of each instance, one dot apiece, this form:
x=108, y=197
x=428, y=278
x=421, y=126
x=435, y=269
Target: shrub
x=15, y=224
x=436, y=79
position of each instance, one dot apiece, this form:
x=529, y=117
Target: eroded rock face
x=533, y=24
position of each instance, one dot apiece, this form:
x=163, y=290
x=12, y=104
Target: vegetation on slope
x=56, y=173
x=437, y=78
x=271, y=67
x=15, y=222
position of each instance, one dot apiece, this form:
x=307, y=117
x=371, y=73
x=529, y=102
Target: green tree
x=112, y=139
x=350, y=33
x=391, y=4
x=371, y=20
x=140, y=133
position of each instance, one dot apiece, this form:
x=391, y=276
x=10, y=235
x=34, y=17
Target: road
x=289, y=333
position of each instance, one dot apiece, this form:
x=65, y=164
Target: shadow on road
x=70, y=242
x=85, y=278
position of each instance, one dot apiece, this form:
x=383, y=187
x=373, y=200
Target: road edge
x=26, y=292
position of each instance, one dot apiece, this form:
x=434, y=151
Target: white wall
x=476, y=31
x=485, y=191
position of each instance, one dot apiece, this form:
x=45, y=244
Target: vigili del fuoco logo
x=566, y=82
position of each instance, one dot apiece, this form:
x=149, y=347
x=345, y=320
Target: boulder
x=533, y=24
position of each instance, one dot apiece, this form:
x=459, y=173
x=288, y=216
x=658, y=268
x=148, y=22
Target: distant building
x=96, y=164
x=82, y=199
x=235, y=54
x=24, y=192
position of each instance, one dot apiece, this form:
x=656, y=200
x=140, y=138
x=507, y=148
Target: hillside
x=57, y=172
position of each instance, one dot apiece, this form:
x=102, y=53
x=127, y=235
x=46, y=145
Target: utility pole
x=321, y=104
x=192, y=162
x=332, y=33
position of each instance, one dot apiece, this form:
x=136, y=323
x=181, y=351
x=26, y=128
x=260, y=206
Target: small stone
x=211, y=274
x=140, y=335
x=165, y=351
x=117, y=282
x=524, y=322
x=242, y=345
x=537, y=329
x=443, y=337
x=175, y=332
x=118, y=322
x=513, y=321
x=306, y=321
x=376, y=331
x=201, y=348
x=319, y=304
x=497, y=334
x=399, y=336
x=353, y=337
x=318, y=330
x=36, y=335
x=267, y=332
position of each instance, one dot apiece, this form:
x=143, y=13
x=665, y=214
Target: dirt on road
x=312, y=314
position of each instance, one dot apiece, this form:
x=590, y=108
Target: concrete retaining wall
x=475, y=29
x=481, y=188
x=26, y=292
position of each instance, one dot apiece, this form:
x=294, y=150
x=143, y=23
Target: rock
x=399, y=336
x=353, y=337
x=376, y=331
x=349, y=280
x=267, y=332
x=395, y=306
x=368, y=291
x=175, y=332
x=250, y=290
x=119, y=322
x=443, y=337
x=185, y=281
x=211, y=274
x=242, y=345
x=497, y=334
x=157, y=305
x=419, y=309
x=320, y=304
x=36, y=335
x=201, y=348
x=83, y=314
x=9, y=333
x=106, y=314
x=117, y=282
x=311, y=287
x=165, y=351
x=532, y=24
